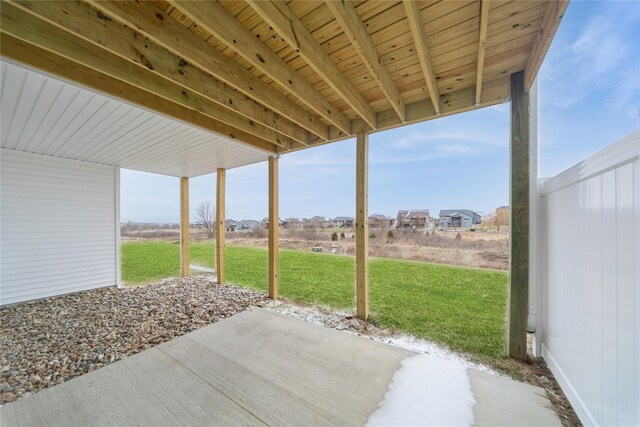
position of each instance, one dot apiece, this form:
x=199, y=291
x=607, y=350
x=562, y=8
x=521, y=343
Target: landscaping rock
x=8, y=397
x=50, y=341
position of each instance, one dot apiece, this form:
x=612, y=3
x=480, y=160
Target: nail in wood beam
x=273, y=227
x=519, y=220
x=184, y=226
x=362, y=226
x=220, y=226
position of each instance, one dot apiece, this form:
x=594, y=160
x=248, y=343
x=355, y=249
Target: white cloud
x=591, y=58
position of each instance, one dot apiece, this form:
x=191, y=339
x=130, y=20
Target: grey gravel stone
x=46, y=342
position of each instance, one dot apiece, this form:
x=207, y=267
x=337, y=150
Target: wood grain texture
x=362, y=226
x=519, y=220
x=553, y=16
x=422, y=48
x=350, y=22
x=215, y=19
x=220, y=224
x=293, y=31
x=482, y=46
x=164, y=30
x=274, y=220
x=495, y=92
x=184, y=226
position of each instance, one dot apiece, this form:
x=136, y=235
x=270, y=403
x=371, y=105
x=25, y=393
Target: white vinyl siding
x=58, y=223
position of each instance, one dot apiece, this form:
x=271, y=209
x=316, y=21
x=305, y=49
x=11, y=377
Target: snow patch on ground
x=426, y=391
x=419, y=345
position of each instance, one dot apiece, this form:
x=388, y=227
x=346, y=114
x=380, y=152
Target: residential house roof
x=380, y=217
x=292, y=220
x=450, y=212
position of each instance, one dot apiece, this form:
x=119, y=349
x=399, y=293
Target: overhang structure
x=186, y=88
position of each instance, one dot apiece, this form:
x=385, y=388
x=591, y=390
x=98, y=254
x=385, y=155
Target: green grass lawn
x=462, y=308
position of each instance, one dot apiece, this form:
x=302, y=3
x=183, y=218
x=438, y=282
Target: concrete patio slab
x=501, y=401
x=257, y=368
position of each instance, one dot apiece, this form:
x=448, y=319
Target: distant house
x=380, y=221
x=247, y=224
x=417, y=218
x=317, y=222
x=343, y=222
x=454, y=218
x=292, y=224
x=265, y=222
x=230, y=225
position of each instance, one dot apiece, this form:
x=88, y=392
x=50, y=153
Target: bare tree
x=206, y=217
x=501, y=218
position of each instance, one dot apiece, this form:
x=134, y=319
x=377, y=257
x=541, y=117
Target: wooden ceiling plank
x=420, y=39
x=27, y=27
x=33, y=56
x=84, y=21
x=292, y=30
x=165, y=31
x=553, y=16
x=350, y=22
x=216, y=20
x=482, y=45
x=439, y=18
x=446, y=54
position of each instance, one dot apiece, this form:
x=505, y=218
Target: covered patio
x=267, y=78
x=186, y=88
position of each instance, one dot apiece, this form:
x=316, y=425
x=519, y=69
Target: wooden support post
x=220, y=226
x=519, y=220
x=273, y=227
x=362, y=226
x=184, y=226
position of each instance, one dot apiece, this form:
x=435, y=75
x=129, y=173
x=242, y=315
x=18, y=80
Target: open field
x=483, y=248
x=461, y=308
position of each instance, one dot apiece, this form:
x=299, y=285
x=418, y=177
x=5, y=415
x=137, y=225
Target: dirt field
x=480, y=248
x=451, y=256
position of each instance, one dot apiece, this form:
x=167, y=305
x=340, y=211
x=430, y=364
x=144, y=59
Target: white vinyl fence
x=590, y=250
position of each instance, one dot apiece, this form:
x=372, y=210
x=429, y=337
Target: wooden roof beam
x=550, y=23
x=282, y=19
x=212, y=17
x=36, y=57
x=167, y=32
x=482, y=45
x=24, y=26
x=84, y=21
x=495, y=92
x=350, y=22
x=422, y=48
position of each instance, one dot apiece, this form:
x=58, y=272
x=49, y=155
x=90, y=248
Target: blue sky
x=589, y=97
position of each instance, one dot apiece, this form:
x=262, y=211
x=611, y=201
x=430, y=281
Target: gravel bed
x=47, y=342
